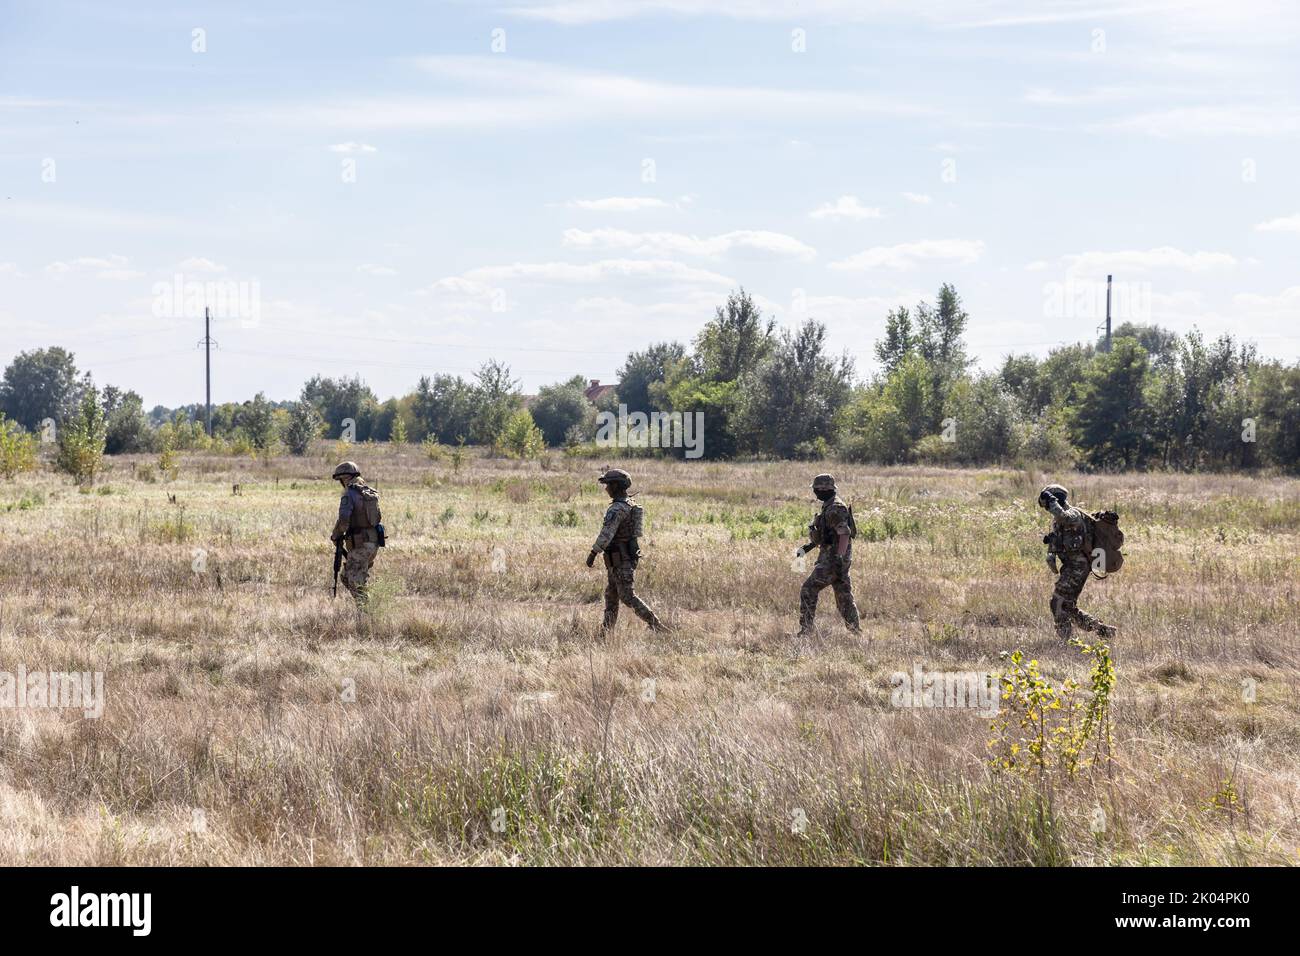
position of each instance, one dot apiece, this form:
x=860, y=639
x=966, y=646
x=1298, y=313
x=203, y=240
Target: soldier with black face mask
x=619, y=542
x=832, y=534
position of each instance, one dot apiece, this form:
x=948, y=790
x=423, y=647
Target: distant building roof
x=595, y=391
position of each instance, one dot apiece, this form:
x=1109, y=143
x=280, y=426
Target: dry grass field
x=479, y=717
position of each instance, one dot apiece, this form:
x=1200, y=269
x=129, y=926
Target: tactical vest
x=822, y=533
x=365, y=507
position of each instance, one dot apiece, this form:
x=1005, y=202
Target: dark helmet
x=615, y=476
x=1054, y=491
x=346, y=469
x=824, y=483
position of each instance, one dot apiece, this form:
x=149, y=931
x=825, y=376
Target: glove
x=591, y=558
x=1051, y=564
x=1047, y=538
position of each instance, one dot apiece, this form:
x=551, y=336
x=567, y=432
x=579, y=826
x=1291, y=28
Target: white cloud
x=919, y=198
x=1241, y=120
x=112, y=268
x=1283, y=224
x=199, y=264
x=508, y=93
x=846, y=207
x=619, y=204
x=674, y=243
x=597, y=272
x=351, y=147
x=1145, y=260
x=907, y=255
x=1283, y=307
x=10, y=269
x=373, y=270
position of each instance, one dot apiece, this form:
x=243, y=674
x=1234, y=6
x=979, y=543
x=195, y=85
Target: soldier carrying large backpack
x=619, y=541
x=1083, y=543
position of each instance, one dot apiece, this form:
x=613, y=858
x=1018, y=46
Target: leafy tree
x=127, y=425
x=302, y=428
x=899, y=340
x=872, y=429
x=257, y=421
x=1111, y=419
x=443, y=405
x=17, y=449
x=496, y=399
x=562, y=408
x=41, y=384
x=790, y=401
x=340, y=399
x=987, y=423
x=642, y=370
x=735, y=341
x=521, y=438
x=82, y=438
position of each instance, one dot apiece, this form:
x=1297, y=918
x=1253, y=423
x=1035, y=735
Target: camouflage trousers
x=1075, y=569
x=827, y=572
x=363, y=547
x=620, y=588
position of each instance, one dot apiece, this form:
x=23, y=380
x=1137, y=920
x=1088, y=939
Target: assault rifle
x=339, y=555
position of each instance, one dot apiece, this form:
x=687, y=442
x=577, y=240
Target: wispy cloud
x=601, y=271
x=1282, y=224
x=350, y=147
x=846, y=207
x=662, y=244
x=907, y=255
x=1136, y=261
x=619, y=204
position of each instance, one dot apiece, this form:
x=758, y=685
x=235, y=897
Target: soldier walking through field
x=359, y=528
x=619, y=541
x=1069, y=542
x=832, y=534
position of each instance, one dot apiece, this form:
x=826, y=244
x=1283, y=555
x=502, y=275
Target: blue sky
x=419, y=187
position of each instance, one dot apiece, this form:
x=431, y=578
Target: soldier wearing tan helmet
x=619, y=542
x=832, y=535
x=359, y=527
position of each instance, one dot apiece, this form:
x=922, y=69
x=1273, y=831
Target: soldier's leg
x=626, y=578
x=1086, y=620
x=1065, y=597
x=843, y=588
x=611, y=600
x=820, y=577
x=356, y=570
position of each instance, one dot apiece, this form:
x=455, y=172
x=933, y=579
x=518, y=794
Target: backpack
x=369, y=506
x=636, y=520
x=1105, y=539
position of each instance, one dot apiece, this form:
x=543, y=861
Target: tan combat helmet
x=346, y=469
x=615, y=476
x=823, y=483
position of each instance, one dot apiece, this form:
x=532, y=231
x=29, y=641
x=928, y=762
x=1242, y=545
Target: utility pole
x=207, y=344
x=1108, y=278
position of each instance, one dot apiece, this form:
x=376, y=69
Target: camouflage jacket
x=830, y=524
x=352, y=511
x=1069, y=529
x=617, y=528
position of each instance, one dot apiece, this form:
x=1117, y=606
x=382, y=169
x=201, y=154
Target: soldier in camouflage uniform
x=357, y=525
x=1068, y=542
x=832, y=535
x=622, y=552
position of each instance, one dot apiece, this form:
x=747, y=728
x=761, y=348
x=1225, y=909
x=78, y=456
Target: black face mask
x=825, y=494
x=614, y=488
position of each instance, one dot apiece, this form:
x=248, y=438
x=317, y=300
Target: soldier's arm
x=1065, y=517
x=345, y=516
x=613, y=518
x=838, y=520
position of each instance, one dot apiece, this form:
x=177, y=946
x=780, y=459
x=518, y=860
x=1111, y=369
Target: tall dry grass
x=479, y=717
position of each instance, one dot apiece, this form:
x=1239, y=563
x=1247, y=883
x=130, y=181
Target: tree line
x=1153, y=399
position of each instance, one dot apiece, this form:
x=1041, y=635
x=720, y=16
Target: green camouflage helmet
x=824, y=483
x=1054, y=491
x=615, y=476
x=346, y=468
